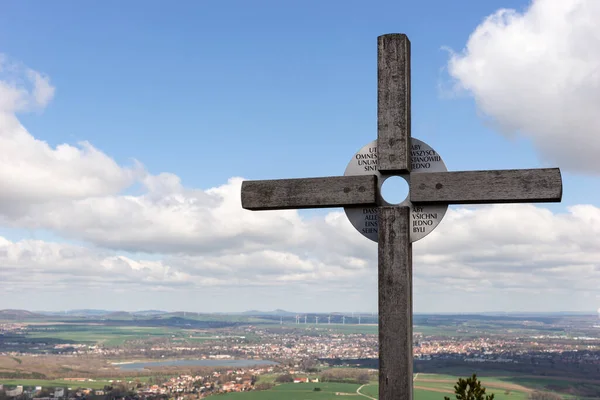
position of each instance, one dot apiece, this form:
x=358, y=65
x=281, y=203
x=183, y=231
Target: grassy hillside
x=427, y=387
x=298, y=391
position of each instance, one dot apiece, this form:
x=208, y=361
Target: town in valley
x=96, y=354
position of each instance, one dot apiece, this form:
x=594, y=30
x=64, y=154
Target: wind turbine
x=343, y=320
x=305, y=319
x=359, y=319
x=316, y=320
x=329, y=320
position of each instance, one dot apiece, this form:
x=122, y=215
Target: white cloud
x=43, y=91
x=34, y=264
x=21, y=88
x=169, y=218
x=29, y=264
x=538, y=73
x=205, y=246
x=488, y=251
x=515, y=247
x=31, y=171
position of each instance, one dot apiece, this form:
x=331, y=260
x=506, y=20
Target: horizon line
x=281, y=311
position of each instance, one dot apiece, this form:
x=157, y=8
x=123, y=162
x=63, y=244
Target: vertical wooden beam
x=393, y=103
x=395, y=304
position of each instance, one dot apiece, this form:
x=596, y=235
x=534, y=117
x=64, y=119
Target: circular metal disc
x=423, y=219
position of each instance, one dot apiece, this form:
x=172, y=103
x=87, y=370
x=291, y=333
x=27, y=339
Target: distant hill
x=86, y=312
x=278, y=313
x=18, y=315
x=541, y=313
x=146, y=313
x=117, y=314
x=100, y=313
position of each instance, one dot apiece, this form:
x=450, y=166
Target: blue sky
x=208, y=91
x=197, y=84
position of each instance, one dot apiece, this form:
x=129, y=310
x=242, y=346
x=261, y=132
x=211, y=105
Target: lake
x=194, y=363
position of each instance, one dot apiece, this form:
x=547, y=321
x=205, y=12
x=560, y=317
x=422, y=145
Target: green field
x=536, y=383
x=107, y=335
x=445, y=331
x=421, y=394
x=305, y=391
x=438, y=390
x=373, y=329
x=297, y=391
x=348, y=329
x=96, y=384
x=428, y=395
x=371, y=390
x=111, y=335
x=329, y=328
x=267, y=378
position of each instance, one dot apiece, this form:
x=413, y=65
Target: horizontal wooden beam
x=482, y=187
x=336, y=191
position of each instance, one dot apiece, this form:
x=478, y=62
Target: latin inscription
x=421, y=158
x=368, y=161
x=423, y=219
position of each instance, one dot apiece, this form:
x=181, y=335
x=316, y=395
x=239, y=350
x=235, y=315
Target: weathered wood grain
x=481, y=187
x=336, y=191
x=395, y=304
x=393, y=103
x=394, y=245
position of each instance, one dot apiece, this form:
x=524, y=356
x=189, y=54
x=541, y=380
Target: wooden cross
x=395, y=247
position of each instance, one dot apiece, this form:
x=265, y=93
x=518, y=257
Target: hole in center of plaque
x=394, y=189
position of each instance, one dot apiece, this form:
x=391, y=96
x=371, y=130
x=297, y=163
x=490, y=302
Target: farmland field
x=330, y=328
x=45, y=383
x=426, y=387
x=304, y=391
x=373, y=329
x=519, y=383
x=437, y=390
x=298, y=391
x=371, y=390
x=107, y=335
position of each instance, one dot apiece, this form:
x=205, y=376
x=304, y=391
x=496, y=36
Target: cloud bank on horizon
x=534, y=73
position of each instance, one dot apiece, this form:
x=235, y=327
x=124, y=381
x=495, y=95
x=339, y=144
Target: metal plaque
x=423, y=219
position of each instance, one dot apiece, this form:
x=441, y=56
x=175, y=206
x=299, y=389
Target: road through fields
x=362, y=394
x=373, y=398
